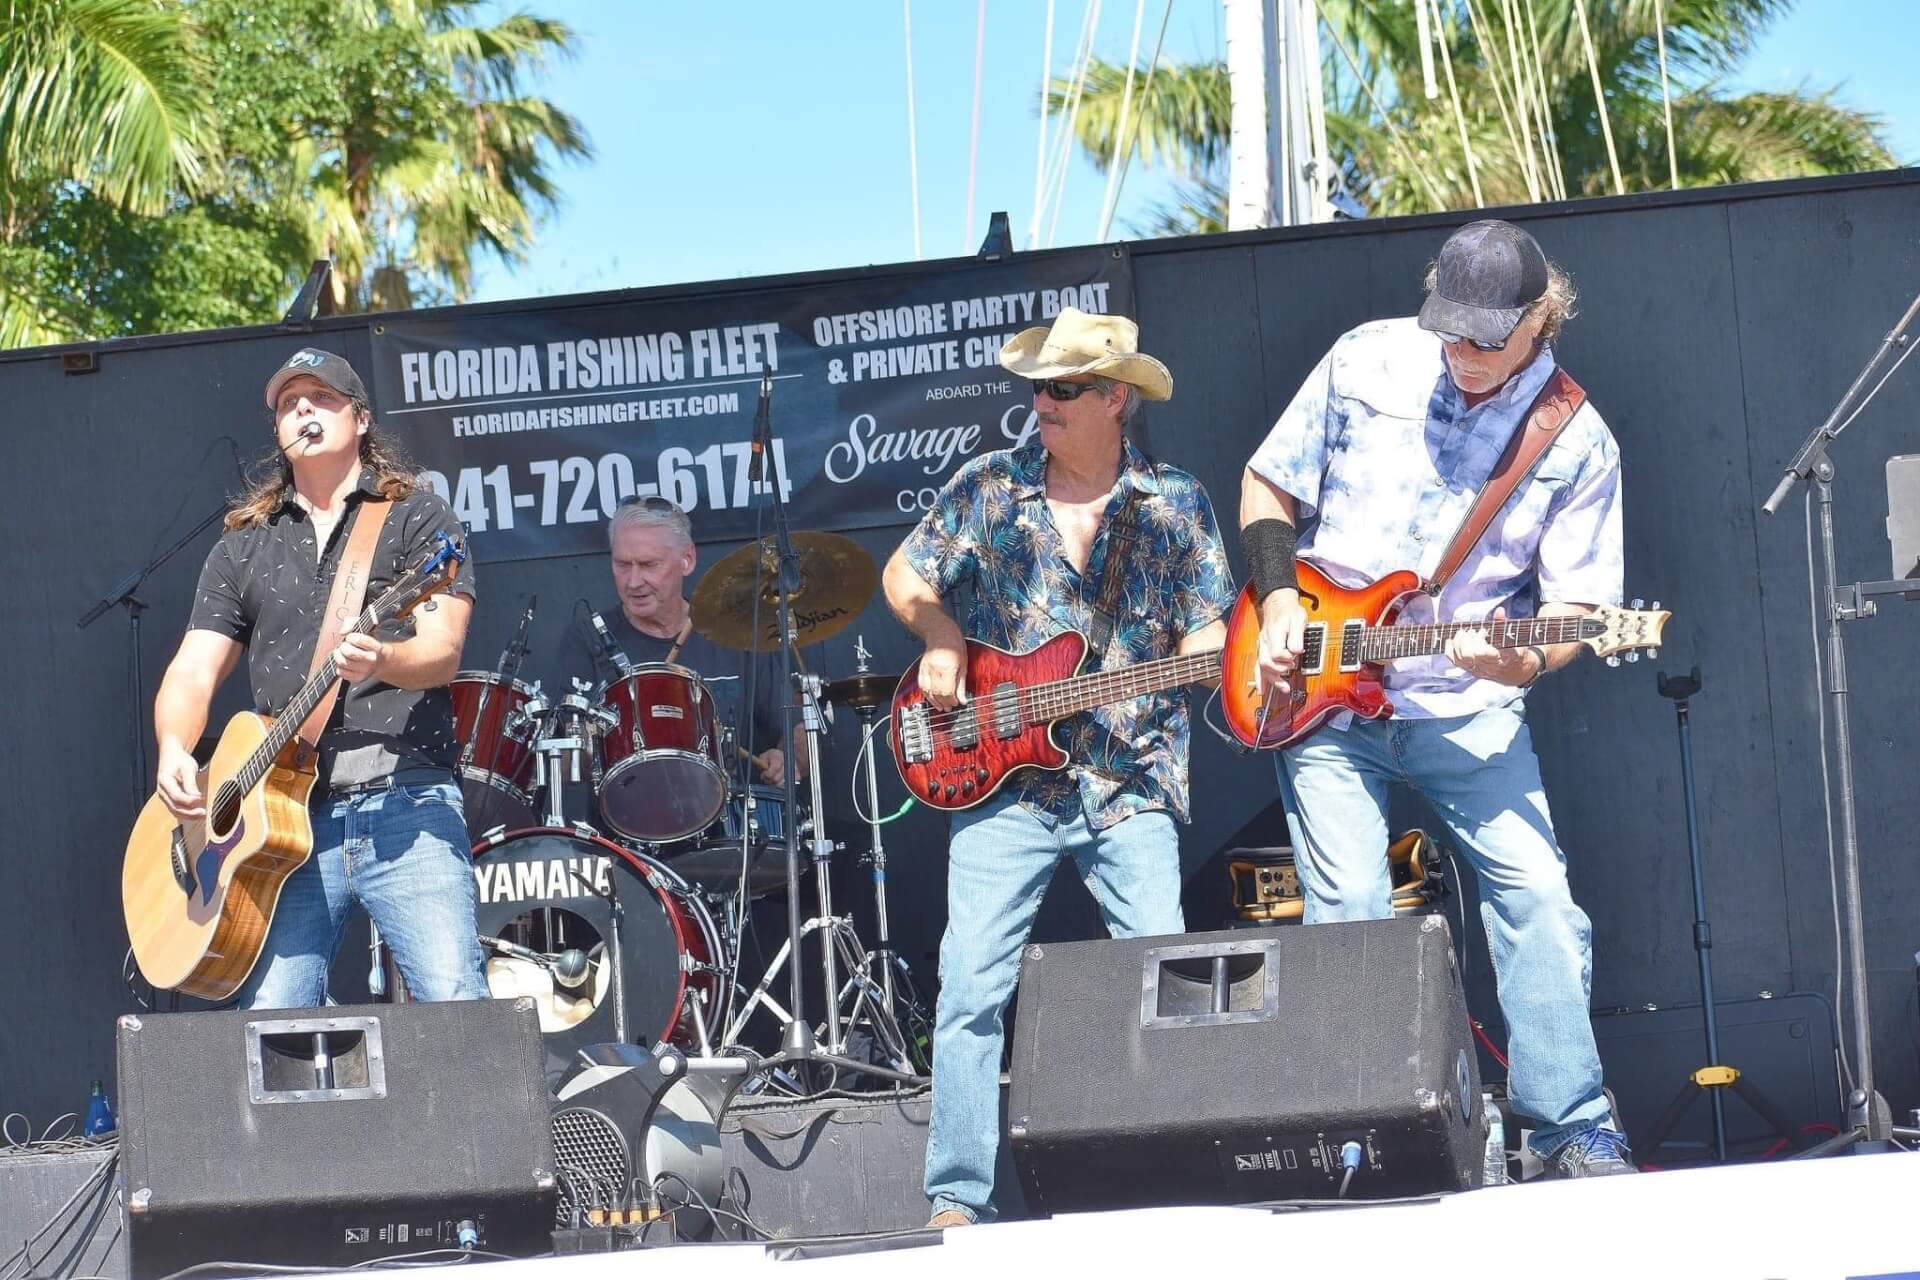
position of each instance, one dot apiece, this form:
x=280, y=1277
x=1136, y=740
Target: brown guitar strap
x=343, y=605
x=1113, y=575
x=1552, y=409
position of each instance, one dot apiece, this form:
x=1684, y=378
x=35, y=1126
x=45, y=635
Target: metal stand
x=1868, y=1119
x=799, y=1043
x=1714, y=1078
x=122, y=594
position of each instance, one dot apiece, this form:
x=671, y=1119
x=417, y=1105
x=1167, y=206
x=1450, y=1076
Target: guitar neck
x=1058, y=698
x=1384, y=644
x=295, y=714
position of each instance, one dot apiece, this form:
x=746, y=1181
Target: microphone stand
x=797, y=1042
x=1868, y=1118
x=122, y=594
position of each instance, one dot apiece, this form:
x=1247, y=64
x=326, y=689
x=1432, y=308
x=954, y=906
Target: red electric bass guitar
x=955, y=759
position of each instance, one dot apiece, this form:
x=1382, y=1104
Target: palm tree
x=1526, y=126
x=105, y=94
x=411, y=147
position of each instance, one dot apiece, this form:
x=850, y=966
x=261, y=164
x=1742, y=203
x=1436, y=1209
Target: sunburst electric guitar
x=1351, y=635
x=199, y=894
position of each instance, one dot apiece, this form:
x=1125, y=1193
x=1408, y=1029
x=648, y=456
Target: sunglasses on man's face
x=1451, y=338
x=1060, y=389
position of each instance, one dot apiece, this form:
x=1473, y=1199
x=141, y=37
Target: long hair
x=392, y=471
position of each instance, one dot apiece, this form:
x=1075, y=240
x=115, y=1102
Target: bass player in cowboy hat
x=1044, y=535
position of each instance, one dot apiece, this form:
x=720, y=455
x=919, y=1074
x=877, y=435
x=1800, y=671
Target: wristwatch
x=1541, y=654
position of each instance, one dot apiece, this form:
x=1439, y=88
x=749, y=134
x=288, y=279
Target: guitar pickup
x=966, y=726
x=1006, y=711
x=1313, y=649
x=916, y=734
x=1350, y=633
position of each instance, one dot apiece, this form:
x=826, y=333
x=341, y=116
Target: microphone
x=311, y=431
x=570, y=968
x=608, y=649
x=763, y=425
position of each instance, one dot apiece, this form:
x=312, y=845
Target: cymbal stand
x=798, y=1042
x=840, y=947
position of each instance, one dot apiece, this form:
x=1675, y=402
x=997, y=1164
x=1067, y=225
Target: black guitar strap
x=1113, y=575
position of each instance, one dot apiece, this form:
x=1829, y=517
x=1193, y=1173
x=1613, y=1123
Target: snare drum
x=711, y=861
x=662, y=775
x=496, y=749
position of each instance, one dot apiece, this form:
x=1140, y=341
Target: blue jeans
x=1482, y=778
x=1000, y=859
x=402, y=855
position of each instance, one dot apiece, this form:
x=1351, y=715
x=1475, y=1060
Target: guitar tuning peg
x=1633, y=655
x=1613, y=659
x=1653, y=655
x=1636, y=603
x=1655, y=606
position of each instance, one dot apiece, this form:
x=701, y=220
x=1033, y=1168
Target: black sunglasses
x=1475, y=343
x=1060, y=389
x=650, y=502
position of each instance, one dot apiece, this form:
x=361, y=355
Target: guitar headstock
x=434, y=574
x=1612, y=632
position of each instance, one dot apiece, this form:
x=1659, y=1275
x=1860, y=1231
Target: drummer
x=653, y=555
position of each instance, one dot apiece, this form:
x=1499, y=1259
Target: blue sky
x=752, y=137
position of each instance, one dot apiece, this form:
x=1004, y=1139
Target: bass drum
x=549, y=891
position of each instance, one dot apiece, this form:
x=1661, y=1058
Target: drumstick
x=686, y=629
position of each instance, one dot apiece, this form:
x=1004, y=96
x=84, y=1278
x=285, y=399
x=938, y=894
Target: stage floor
x=1852, y=1216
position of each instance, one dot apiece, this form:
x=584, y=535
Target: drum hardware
x=866, y=692
x=814, y=585
x=572, y=726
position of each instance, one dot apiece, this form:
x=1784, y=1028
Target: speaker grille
x=591, y=1156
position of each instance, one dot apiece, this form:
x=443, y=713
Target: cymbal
x=868, y=689
x=837, y=578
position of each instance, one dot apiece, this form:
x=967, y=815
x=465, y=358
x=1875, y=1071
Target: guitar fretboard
x=1044, y=703
x=1384, y=644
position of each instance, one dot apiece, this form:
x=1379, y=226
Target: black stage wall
x=1715, y=328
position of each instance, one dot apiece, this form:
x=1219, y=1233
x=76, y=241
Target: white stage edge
x=1830, y=1219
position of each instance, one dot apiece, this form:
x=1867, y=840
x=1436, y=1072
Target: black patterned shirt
x=266, y=586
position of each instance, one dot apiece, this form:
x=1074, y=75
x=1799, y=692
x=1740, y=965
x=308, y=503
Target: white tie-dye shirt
x=1381, y=447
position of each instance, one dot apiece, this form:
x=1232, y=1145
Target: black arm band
x=1269, y=546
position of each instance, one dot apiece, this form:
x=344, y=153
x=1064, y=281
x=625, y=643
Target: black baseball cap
x=311, y=362
x=1489, y=273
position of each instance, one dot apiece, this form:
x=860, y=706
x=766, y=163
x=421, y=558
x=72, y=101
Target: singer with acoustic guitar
x=1077, y=553
x=368, y=784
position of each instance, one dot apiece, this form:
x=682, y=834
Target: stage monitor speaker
x=334, y=1136
x=1237, y=1067
x=60, y=1214
x=1903, y=514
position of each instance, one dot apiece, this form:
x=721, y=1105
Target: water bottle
x=1496, y=1153
x=100, y=1121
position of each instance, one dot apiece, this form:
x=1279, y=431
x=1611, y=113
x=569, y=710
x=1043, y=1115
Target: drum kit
x=631, y=930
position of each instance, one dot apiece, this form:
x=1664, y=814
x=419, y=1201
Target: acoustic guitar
x=199, y=894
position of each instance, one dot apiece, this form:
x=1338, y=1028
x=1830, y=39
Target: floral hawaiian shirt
x=991, y=531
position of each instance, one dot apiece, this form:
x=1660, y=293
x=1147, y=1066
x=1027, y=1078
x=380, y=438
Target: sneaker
x=1590, y=1153
x=948, y=1218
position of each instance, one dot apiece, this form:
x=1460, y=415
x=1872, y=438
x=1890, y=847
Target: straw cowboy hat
x=1079, y=343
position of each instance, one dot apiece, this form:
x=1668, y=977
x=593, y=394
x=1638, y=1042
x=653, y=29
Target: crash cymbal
x=868, y=689
x=836, y=579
